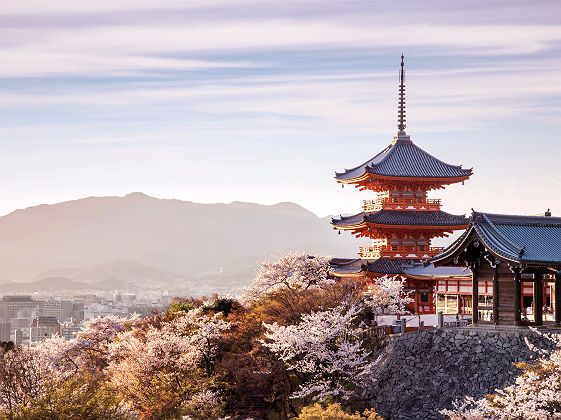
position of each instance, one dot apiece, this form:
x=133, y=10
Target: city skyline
x=256, y=101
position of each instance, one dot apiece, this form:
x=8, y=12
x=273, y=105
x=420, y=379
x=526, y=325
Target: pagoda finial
x=401, y=106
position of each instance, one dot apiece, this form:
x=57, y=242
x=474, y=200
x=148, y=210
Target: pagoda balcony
x=399, y=251
x=401, y=203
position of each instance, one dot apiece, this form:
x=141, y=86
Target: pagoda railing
x=400, y=251
x=401, y=203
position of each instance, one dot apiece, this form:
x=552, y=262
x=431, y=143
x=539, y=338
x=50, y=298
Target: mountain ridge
x=163, y=235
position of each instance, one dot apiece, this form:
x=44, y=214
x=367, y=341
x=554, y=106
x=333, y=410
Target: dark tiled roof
x=348, y=220
x=404, y=218
x=390, y=265
x=403, y=158
x=432, y=272
x=522, y=239
x=347, y=265
x=381, y=265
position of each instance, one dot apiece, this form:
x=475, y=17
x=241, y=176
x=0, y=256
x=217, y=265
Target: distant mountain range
x=141, y=241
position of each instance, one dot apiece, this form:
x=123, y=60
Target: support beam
x=496, y=295
x=474, y=295
x=558, y=297
x=538, y=296
x=517, y=297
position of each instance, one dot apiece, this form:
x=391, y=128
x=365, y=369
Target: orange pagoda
x=401, y=221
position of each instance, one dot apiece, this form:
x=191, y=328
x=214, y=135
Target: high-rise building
x=21, y=306
x=5, y=331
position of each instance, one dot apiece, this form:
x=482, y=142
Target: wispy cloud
x=127, y=48
x=222, y=83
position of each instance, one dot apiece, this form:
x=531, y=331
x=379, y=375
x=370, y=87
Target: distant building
x=69, y=331
x=20, y=323
x=21, y=306
x=5, y=328
x=46, y=321
x=38, y=334
x=61, y=309
x=18, y=337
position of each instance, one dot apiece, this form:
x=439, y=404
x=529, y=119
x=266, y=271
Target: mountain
x=140, y=239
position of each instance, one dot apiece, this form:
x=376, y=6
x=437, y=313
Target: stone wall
x=422, y=373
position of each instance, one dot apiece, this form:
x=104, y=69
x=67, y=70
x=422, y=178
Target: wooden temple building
x=515, y=263
x=401, y=220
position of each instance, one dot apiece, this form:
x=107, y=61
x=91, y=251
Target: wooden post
x=474, y=295
x=517, y=297
x=558, y=297
x=496, y=295
x=538, y=296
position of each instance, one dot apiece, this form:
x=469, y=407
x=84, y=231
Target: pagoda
x=401, y=220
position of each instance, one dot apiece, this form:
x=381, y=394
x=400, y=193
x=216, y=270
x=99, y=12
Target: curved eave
x=348, y=275
x=371, y=177
x=343, y=267
x=418, y=227
x=359, y=226
x=485, y=231
x=418, y=277
x=447, y=255
x=462, y=242
x=373, y=227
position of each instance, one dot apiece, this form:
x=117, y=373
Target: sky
x=262, y=101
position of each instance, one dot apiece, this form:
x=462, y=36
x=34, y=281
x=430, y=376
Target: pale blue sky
x=262, y=101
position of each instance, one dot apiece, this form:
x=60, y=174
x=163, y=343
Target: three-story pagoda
x=401, y=221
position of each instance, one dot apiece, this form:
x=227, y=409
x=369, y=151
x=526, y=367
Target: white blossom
x=324, y=346
x=293, y=271
x=386, y=296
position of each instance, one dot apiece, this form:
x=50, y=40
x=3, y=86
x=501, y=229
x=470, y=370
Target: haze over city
x=221, y=101
x=175, y=242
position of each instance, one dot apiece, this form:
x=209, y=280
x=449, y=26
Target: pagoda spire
x=401, y=105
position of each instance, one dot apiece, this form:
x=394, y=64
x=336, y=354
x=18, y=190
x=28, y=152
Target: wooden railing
x=458, y=323
x=371, y=333
x=376, y=332
x=401, y=203
x=400, y=251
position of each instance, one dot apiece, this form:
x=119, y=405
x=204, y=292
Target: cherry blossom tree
x=159, y=369
x=22, y=378
x=535, y=395
x=294, y=272
x=386, y=296
x=325, y=349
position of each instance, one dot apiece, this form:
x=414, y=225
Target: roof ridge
x=435, y=158
x=499, y=233
x=415, y=211
x=513, y=223
x=526, y=216
x=389, y=149
x=365, y=164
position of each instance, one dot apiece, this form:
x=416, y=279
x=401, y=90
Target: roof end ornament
x=401, y=135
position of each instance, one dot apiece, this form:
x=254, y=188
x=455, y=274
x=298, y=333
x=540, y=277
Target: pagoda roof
x=430, y=272
x=519, y=239
x=349, y=267
x=403, y=218
x=402, y=158
x=390, y=265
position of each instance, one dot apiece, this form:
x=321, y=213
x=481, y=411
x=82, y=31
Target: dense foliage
x=292, y=339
